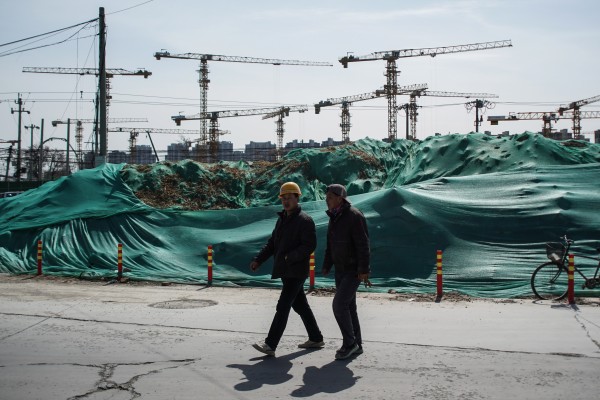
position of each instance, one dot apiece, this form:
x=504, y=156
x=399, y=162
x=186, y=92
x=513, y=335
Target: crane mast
x=575, y=107
x=203, y=79
x=391, y=71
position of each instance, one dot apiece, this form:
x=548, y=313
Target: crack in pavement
x=586, y=330
x=107, y=370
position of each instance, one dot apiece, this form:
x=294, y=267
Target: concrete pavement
x=68, y=339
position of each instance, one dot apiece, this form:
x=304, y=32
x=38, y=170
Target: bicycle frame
x=565, y=262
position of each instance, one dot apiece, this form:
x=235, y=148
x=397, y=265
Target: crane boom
x=251, y=60
x=458, y=94
x=89, y=121
x=427, y=51
x=156, y=130
x=234, y=113
x=110, y=72
x=576, y=104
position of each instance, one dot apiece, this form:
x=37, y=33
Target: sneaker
x=359, y=351
x=309, y=344
x=346, y=352
x=264, y=348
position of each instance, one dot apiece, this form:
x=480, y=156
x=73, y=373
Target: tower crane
x=79, y=131
x=135, y=132
x=203, y=72
x=346, y=101
x=411, y=107
x=213, y=117
x=110, y=73
x=575, y=107
x=280, y=114
x=546, y=117
x=392, y=73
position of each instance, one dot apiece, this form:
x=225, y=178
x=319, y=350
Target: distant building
x=261, y=151
x=144, y=154
x=294, y=144
x=177, y=152
x=330, y=142
x=116, y=157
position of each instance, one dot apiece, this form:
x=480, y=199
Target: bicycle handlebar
x=567, y=240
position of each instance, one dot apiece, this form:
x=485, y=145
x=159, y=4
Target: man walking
x=348, y=250
x=291, y=243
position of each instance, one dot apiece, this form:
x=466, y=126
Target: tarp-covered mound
x=490, y=204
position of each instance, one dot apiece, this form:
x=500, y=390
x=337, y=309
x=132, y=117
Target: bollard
x=312, y=272
x=210, y=264
x=439, y=273
x=571, y=275
x=119, y=261
x=39, y=257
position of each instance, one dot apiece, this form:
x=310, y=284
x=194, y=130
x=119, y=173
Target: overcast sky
x=554, y=60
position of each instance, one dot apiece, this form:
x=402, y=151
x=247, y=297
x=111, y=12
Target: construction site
x=203, y=174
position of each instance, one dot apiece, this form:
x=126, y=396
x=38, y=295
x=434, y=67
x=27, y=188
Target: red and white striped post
x=571, y=275
x=439, y=273
x=120, y=261
x=39, y=257
x=210, y=264
x=311, y=285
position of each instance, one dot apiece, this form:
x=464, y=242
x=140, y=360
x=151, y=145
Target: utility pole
x=102, y=89
x=41, y=153
x=30, y=167
x=19, y=102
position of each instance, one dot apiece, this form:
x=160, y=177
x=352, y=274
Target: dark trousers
x=292, y=297
x=344, y=307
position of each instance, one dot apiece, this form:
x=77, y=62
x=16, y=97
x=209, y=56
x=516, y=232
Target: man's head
x=336, y=195
x=289, y=193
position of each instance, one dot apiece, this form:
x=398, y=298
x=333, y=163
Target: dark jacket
x=291, y=243
x=347, y=242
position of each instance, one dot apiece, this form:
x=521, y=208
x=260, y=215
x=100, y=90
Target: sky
x=553, y=61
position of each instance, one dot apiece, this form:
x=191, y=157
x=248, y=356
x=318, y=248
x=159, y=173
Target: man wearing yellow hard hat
x=291, y=243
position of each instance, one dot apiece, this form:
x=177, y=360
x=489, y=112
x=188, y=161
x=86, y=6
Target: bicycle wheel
x=549, y=281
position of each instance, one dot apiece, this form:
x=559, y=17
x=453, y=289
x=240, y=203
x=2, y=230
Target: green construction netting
x=489, y=203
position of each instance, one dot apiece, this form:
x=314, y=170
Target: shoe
x=309, y=344
x=346, y=352
x=359, y=351
x=264, y=348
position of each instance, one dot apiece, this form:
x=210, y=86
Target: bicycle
x=549, y=281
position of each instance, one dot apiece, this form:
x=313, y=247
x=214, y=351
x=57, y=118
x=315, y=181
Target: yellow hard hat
x=289, y=187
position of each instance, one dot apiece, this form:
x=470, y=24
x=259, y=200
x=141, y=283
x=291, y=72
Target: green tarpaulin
x=489, y=203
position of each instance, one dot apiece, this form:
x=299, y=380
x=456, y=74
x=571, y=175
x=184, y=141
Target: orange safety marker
x=439, y=273
x=312, y=272
x=571, y=275
x=210, y=264
x=39, y=257
x=120, y=261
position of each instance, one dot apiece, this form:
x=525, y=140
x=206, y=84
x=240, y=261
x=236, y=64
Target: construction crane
x=135, y=132
x=79, y=131
x=546, y=117
x=110, y=73
x=392, y=72
x=411, y=107
x=575, y=107
x=214, y=116
x=280, y=114
x=203, y=72
x=346, y=101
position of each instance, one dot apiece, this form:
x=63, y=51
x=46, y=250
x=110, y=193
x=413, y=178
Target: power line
x=129, y=8
x=48, y=33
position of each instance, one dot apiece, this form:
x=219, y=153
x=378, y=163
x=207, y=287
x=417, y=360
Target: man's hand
x=365, y=279
x=254, y=265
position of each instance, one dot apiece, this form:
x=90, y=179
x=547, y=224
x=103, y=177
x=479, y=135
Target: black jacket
x=291, y=243
x=347, y=242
